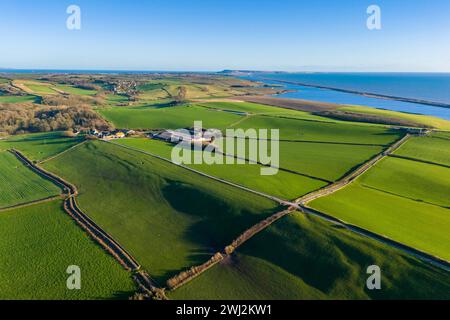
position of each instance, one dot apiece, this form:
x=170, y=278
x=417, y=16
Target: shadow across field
x=217, y=222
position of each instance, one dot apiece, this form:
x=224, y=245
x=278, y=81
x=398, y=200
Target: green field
x=435, y=148
x=75, y=90
x=321, y=160
x=19, y=184
x=302, y=257
x=381, y=201
x=17, y=99
x=37, y=245
x=40, y=146
x=152, y=117
x=428, y=121
x=297, y=129
x=40, y=89
x=283, y=185
x=410, y=179
x=254, y=109
x=166, y=216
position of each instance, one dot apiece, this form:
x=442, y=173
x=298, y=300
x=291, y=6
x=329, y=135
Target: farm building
x=186, y=135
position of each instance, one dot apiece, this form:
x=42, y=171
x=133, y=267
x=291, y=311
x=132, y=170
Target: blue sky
x=293, y=35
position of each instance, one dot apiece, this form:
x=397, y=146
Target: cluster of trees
x=22, y=118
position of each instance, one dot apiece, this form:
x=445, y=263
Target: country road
x=352, y=176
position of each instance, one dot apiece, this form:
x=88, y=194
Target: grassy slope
x=411, y=179
x=166, y=117
x=421, y=119
x=167, y=217
x=18, y=184
x=37, y=245
x=296, y=129
x=40, y=146
x=284, y=185
x=434, y=148
x=302, y=257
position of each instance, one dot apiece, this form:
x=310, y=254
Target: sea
x=432, y=87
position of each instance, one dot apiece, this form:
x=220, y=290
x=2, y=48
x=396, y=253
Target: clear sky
x=293, y=35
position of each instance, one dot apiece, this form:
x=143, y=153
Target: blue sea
x=433, y=87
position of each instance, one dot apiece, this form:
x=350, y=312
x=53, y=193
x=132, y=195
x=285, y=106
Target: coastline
x=365, y=94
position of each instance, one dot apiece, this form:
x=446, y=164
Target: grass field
x=40, y=88
x=297, y=129
x=302, y=257
x=283, y=185
x=254, y=109
x=418, y=224
x=151, y=117
x=37, y=245
x=167, y=217
x=435, y=148
x=17, y=99
x=19, y=184
x=411, y=179
x=40, y=146
x=321, y=160
x=75, y=90
x=429, y=121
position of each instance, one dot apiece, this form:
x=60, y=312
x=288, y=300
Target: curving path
x=97, y=233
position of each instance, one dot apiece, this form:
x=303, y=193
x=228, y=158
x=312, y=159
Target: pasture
x=18, y=99
x=284, y=185
x=37, y=245
x=303, y=257
x=417, y=224
x=75, y=90
x=40, y=146
x=306, y=130
x=167, y=217
x=259, y=109
x=410, y=179
x=155, y=116
x=19, y=184
x=426, y=121
x=434, y=148
x=327, y=161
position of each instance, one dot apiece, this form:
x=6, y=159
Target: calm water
x=431, y=87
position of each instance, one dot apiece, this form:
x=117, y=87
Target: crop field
x=401, y=199
x=297, y=129
x=40, y=146
x=152, y=117
x=167, y=217
x=19, y=184
x=302, y=257
x=435, y=148
x=248, y=175
x=37, y=245
x=17, y=99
